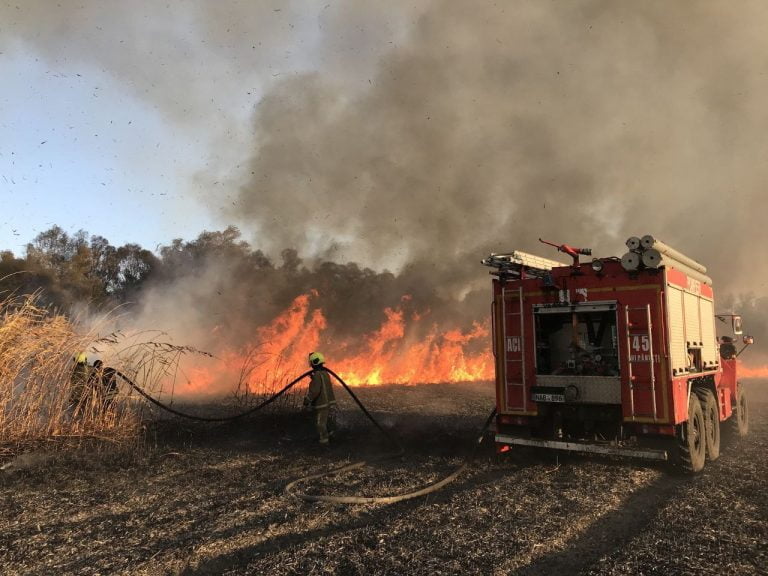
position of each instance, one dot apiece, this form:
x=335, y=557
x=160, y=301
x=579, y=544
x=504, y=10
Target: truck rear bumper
x=645, y=453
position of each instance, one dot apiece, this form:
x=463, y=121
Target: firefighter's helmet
x=316, y=359
x=81, y=358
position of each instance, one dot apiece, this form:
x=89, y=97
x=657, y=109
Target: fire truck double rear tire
x=711, y=422
x=738, y=423
x=691, y=439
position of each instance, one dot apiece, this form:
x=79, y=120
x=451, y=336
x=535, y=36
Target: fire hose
x=259, y=406
x=355, y=499
x=347, y=499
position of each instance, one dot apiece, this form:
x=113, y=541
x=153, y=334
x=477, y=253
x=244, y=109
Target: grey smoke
x=497, y=123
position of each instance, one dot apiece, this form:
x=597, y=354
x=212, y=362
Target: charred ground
x=205, y=499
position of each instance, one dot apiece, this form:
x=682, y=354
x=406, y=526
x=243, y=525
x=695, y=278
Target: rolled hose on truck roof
x=651, y=253
x=648, y=242
x=654, y=259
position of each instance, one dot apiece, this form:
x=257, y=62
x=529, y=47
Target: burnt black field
x=197, y=498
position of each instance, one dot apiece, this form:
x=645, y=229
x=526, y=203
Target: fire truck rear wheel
x=711, y=422
x=691, y=441
x=738, y=423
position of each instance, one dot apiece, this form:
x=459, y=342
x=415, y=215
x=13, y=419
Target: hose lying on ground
x=349, y=499
x=355, y=499
x=386, y=434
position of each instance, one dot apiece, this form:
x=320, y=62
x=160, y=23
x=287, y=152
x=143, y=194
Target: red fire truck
x=614, y=356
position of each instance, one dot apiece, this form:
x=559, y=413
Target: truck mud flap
x=647, y=454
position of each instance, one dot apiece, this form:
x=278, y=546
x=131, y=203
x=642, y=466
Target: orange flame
x=405, y=349
x=752, y=371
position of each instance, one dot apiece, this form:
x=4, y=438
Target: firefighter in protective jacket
x=320, y=396
x=78, y=384
x=103, y=383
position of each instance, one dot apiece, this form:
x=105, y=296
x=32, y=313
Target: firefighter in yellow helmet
x=102, y=382
x=78, y=379
x=320, y=397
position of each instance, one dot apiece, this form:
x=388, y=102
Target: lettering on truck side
x=513, y=344
x=694, y=286
x=644, y=358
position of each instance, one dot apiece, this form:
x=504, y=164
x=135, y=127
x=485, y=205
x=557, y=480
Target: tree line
x=223, y=275
x=82, y=268
x=72, y=268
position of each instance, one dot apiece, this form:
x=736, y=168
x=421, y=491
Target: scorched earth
x=204, y=499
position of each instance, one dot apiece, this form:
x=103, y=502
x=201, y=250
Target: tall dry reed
x=273, y=374
x=37, y=351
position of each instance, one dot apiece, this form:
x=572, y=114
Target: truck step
x=645, y=453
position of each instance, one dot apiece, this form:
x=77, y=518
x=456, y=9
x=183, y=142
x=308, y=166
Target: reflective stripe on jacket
x=320, y=393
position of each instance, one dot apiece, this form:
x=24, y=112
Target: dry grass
x=274, y=374
x=37, y=347
x=36, y=350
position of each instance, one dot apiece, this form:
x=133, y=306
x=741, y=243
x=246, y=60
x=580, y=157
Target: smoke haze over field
x=418, y=139
x=496, y=123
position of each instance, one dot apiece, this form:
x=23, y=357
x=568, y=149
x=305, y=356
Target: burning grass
x=407, y=348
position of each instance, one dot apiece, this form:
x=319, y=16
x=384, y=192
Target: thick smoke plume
x=419, y=139
x=497, y=123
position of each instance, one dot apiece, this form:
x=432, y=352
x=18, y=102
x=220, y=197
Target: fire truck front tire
x=738, y=423
x=691, y=439
x=711, y=422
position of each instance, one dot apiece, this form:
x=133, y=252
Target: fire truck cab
x=614, y=356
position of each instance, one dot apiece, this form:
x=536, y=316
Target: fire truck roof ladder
x=514, y=264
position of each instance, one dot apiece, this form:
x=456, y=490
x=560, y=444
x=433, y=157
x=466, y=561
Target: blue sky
x=131, y=120
x=78, y=151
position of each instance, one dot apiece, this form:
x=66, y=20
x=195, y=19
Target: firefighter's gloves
x=307, y=405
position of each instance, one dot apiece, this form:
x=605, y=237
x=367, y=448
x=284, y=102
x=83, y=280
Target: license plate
x=539, y=397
